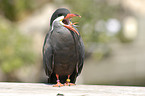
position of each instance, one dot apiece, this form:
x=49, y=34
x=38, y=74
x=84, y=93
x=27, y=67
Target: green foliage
x=92, y=11
x=15, y=48
x=15, y=9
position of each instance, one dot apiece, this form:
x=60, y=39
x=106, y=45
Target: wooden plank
x=41, y=89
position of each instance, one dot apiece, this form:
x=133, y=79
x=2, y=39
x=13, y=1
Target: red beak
x=69, y=26
x=71, y=15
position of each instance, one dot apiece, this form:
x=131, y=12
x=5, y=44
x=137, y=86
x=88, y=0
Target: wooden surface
x=41, y=89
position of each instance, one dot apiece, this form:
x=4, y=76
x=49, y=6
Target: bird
x=63, y=49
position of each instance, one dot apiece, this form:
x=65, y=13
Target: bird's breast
x=65, y=53
x=62, y=38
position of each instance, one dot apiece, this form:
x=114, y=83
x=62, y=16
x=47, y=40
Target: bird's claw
x=58, y=85
x=69, y=84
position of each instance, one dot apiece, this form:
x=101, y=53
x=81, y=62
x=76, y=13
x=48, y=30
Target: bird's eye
x=59, y=15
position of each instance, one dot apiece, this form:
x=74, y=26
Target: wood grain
x=41, y=89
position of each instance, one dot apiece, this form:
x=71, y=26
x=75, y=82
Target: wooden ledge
x=41, y=89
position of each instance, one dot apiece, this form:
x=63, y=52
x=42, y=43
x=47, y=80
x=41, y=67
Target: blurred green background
x=112, y=30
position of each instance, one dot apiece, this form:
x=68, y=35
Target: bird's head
x=63, y=16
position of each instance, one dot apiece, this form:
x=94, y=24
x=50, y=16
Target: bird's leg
x=58, y=82
x=68, y=82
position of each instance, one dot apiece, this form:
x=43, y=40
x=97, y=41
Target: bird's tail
x=52, y=79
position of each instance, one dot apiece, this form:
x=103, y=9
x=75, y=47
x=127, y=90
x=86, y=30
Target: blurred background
x=112, y=30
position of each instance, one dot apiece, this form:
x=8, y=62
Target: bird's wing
x=48, y=55
x=81, y=55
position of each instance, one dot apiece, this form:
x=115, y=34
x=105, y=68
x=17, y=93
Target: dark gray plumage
x=63, y=51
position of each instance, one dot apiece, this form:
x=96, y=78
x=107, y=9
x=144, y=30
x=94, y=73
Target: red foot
x=69, y=84
x=58, y=85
